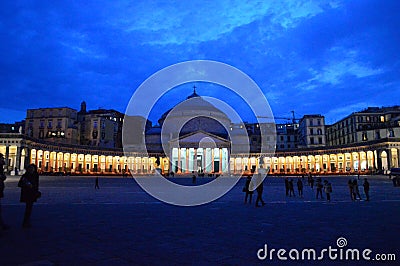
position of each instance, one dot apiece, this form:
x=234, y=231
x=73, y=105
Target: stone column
x=179, y=160
x=378, y=164
x=25, y=158
x=18, y=159
x=187, y=170
x=398, y=157
x=220, y=160
x=212, y=160
x=389, y=159
x=7, y=166
x=195, y=160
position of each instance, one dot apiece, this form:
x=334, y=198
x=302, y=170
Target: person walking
x=249, y=194
x=287, y=186
x=96, y=183
x=366, y=188
x=356, y=191
x=300, y=187
x=2, y=186
x=311, y=182
x=319, y=187
x=29, y=184
x=328, y=190
x=193, y=178
x=291, y=188
x=260, y=189
x=351, y=189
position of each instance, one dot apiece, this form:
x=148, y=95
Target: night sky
x=313, y=57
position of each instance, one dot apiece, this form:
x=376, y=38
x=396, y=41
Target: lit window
x=382, y=119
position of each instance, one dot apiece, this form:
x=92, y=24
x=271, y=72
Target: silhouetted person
x=260, y=189
x=287, y=186
x=291, y=188
x=319, y=187
x=193, y=178
x=366, y=188
x=351, y=189
x=29, y=184
x=249, y=194
x=311, y=182
x=2, y=179
x=328, y=190
x=356, y=192
x=96, y=183
x=300, y=187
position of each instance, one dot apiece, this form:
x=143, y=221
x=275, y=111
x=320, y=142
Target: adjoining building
x=373, y=123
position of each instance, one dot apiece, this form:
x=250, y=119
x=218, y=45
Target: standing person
x=291, y=188
x=351, y=189
x=29, y=184
x=287, y=186
x=2, y=163
x=193, y=178
x=2, y=179
x=328, y=190
x=366, y=188
x=249, y=194
x=300, y=187
x=319, y=187
x=356, y=192
x=311, y=182
x=96, y=184
x=260, y=189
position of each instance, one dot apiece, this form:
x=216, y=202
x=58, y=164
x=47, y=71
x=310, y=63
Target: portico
x=199, y=152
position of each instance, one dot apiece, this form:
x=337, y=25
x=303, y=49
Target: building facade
x=90, y=142
x=58, y=125
x=311, y=131
x=373, y=123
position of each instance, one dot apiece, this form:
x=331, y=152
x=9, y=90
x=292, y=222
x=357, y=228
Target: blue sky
x=325, y=57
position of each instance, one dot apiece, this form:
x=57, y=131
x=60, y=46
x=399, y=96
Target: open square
x=74, y=224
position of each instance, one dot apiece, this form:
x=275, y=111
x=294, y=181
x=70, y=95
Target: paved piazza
x=74, y=224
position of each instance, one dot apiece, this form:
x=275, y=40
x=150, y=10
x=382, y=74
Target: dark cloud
x=306, y=56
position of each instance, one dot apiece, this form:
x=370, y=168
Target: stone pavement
x=120, y=224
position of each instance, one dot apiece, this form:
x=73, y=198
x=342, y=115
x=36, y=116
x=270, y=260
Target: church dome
x=199, y=114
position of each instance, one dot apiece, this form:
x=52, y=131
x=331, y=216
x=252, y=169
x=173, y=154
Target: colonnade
x=86, y=160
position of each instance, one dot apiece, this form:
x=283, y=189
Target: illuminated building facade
x=201, y=145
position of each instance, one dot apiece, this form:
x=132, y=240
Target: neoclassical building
x=195, y=136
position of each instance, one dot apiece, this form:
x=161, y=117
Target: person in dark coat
x=96, y=183
x=328, y=190
x=29, y=184
x=291, y=188
x=287, y=186
x=260, y=189
x=351, y=189
x=366, y=188
x=300, y=187
x=311, y=182
x=356, y=192
x=319, y=188
x=2, y=179
x=249, y=194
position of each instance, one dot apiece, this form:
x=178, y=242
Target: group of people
x=249, y=188
x=29, y=184
x=355, y=192
x=322, y=187
x=325, y=187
